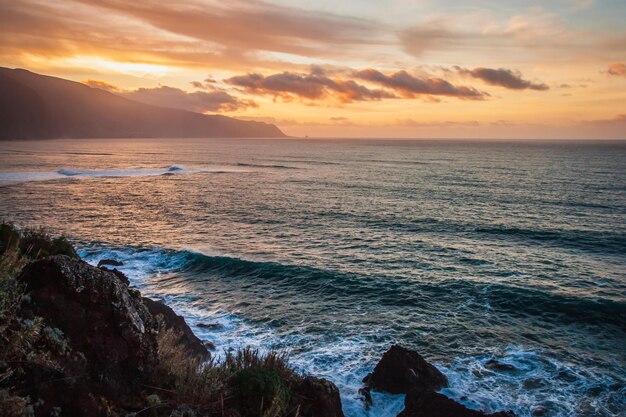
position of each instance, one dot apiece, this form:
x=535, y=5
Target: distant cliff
x=34, y=106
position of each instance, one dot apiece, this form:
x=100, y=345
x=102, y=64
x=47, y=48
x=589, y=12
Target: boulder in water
x=424, y=402
x=212, y=326
x=318, y=397
x=111, y=262
x=495, y=365
x=400, y=370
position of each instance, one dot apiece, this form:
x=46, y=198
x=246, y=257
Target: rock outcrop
x=400, y=370
x=104, y=338
x=111, y=262
x=424, y=402
x=403, y=371
x=171, y=320
x=318, y=397
x=77, y=298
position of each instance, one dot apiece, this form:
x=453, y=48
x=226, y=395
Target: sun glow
x=136, y=69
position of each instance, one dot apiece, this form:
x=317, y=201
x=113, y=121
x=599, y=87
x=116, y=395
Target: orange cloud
x=617, y=69
x=102, y=85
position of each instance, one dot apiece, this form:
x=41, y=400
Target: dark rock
x=111, y=334
x=366, y=396
x=78, y=299
x=111, y=262
x=171, y=320
x=424, y=402
x=118, y=274
x=401, y=370
x=209, y=345
x=499, y=366
x=212, y=326
x=318, y=397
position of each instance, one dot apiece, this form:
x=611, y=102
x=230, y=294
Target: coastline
x=89, y=314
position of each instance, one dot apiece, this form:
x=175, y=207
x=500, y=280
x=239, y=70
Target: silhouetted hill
x=34, y=106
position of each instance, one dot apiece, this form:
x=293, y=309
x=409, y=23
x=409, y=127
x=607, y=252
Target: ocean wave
x=592, y=241
x=599, y=242
x=391, y=291
x=71, y=173
x=242, y=164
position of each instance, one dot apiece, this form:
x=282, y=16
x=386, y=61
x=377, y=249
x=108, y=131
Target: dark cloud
x=410, y=86
x=503, y=77
x=199, y=101
x=617, y=69
x=314, y=85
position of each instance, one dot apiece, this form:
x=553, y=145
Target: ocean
x=501, y=262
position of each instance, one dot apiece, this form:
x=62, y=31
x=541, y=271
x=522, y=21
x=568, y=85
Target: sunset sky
x=350, y=68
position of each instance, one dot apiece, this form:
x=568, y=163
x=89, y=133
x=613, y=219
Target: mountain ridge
x=35, y=106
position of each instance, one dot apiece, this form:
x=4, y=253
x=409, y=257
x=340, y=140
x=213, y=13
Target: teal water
x=334, y=250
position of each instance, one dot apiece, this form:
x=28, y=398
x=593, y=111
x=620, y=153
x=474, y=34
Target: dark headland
x=78, y=340
x=34, y=106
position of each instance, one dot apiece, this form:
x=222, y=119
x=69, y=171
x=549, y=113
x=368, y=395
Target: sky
x=349, y=68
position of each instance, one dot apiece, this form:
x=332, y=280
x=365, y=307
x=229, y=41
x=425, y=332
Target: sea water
x=501, y=262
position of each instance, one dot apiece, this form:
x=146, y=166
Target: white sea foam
x=530, y=382
x=70, y=173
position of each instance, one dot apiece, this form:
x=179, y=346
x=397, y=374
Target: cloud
x=410, y=86
x=198, y=101
x=443, y=124
x=102, y=85
x=617, y=69
x=248, y=25
x=503, y=77
x=196, y=33
x=534, y=33
x=313, y=86
x=164, y=96
x=619, y=120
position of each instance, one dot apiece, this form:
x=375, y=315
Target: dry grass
x=244, y=383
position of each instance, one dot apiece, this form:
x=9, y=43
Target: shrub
x=245, y=383
x=34, y=243
x=38, y=243
x=9, y=237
